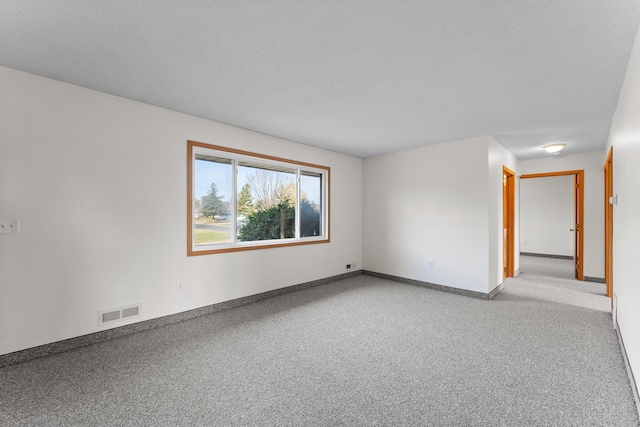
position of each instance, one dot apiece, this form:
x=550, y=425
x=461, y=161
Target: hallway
x=552, y=280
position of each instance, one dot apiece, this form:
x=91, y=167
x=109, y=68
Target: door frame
x=608, y=223
x=508, y=221
x=578, y=203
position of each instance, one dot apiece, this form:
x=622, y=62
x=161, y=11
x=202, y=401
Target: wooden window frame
x=235, y=155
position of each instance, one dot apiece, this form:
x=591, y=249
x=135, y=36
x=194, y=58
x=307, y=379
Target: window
x=239, y=200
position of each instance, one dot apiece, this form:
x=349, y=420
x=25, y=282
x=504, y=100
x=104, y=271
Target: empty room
x=319, y=213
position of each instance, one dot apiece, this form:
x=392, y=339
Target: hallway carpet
x=361, y=351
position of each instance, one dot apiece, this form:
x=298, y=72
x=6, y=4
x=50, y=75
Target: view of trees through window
x=261, y=203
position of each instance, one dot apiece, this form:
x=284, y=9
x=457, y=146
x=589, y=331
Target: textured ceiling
x=358, y=77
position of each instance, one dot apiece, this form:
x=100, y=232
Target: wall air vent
x=110, y=316
x=115, y=314
x=130, y=311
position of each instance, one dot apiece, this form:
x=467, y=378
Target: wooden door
x=579, y=220
x=508, y=222
x=504, y=226
x=608, y=223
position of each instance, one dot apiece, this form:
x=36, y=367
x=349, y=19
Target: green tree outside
x=245, y=201
x=212, y=203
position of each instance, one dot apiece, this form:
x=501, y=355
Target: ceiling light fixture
x=553, y=148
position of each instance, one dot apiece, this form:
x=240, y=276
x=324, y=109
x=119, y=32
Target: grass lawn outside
x=210, y=236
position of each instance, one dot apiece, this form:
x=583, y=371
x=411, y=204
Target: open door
x=508, y=221
x=608, y=224
x=578, y=199
x=579, y=213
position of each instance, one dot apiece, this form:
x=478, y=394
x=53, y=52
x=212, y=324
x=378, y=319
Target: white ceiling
x=362, y=77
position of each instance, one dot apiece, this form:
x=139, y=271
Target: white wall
x=546, y=215
x=625, y=140
x=498, y=157
x=99, y=183
x=433, y=204
x=592, y=164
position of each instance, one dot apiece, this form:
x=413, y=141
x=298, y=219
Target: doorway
x=578, y=216
x=608, y=223
x=508, y=221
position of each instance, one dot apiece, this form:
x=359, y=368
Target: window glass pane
x=212, y=200
x=310, y=203
x=245, y=201
x=266, y=202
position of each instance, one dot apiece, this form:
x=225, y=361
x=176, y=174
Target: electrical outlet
x=10, y=226
x=179, y=287
x=348, y=266
x=351, y=266
x=431, y=265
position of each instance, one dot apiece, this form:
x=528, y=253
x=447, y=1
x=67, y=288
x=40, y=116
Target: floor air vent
x=114, y=314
